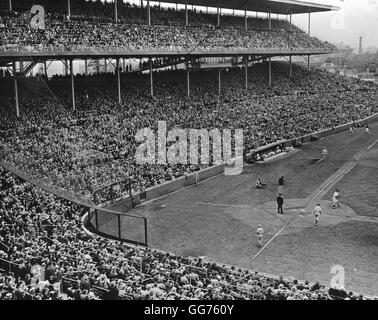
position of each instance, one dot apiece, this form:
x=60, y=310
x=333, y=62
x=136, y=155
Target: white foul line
x=224, y=205
x=359, y=155
x=338, y=175
x=371, y=146
x=275, y=236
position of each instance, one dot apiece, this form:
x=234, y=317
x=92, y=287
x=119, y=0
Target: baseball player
x=260, y=235
x=335, y=199
x=324, y=153
x=317, y=213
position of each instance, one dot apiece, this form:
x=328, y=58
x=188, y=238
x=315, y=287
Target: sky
x=356, y=18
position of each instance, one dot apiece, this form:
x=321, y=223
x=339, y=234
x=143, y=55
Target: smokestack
x=360, y=47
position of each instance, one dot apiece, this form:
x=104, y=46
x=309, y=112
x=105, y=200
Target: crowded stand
x=86, y=150
x=166, y=33
x=54, y=158
x=46, y=255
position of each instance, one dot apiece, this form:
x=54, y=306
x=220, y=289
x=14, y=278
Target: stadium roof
x=276, y=6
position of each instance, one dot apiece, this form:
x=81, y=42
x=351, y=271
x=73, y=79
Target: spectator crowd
x=45, y=253
x=167, y=32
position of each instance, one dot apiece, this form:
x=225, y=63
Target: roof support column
x=116, y=10
x=148, y=13
x=245, y=20
x=72, y=85
x=219, y=81
x=65, y=67
x=309, y=22
x=187, y=80
x=291, y=22
x=290, y=67
x=186, y=14
x=118, y=81
x=106, y=65
x=246, y=71
x=270, y=19
x=141, y=4
x=308, y=62
x=45, y=67
x=10, y=5
x=15, y=89
x=270, y=72
x=151, y=79
x=218, y=15
x=69, y=8
x=86, y=66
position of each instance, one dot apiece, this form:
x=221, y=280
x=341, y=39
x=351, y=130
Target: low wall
x=165, y=188
x=318, y=134
x=171, y=186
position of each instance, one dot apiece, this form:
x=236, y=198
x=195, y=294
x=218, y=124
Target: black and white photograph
x=188, y=154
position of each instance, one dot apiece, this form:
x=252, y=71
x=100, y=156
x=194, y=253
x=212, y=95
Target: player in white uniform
x=335, y=199
x=324, y=153
x=317, y=213
x=367, y=130
x=260, y=185
x=260, y=235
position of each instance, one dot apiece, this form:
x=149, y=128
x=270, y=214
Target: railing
x=9, y=266
x=46, y=185
x=11, y=49
x=118, y=226
x=115, y=190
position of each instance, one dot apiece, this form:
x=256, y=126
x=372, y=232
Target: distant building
x=347, y=72
x=341, y=56
x=371, y=73
x=329, y=66
x=372, y=69
x=372, y=50
x=340, y=70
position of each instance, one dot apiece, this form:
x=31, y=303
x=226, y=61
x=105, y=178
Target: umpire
x=280, y=201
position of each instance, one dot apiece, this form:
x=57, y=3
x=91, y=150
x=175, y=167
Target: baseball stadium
x=81, y=218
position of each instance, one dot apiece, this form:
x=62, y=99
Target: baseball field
x=218, y=219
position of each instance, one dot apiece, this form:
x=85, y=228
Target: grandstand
x=190, y=44
x=67, y=148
